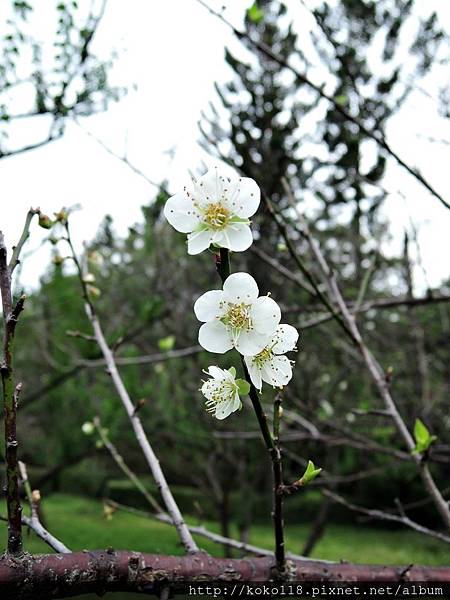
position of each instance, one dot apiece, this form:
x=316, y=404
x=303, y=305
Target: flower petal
x=199, y=241
x=240, y=287
x=224, y=409
x=208, y=188
x=210, y=388
x=277, y=371
x=214, y=337
x=247, y=198
x=266, y=315
x=207, y=307
x=251, y=342
x=216, y=372
x=285, y=339
x=181, y=213
x=254, y=371
x=237, y=237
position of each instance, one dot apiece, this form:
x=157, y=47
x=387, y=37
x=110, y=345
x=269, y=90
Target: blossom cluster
x=215, y=212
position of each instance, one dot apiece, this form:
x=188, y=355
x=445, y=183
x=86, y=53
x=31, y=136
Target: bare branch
x=372, y=364
x=152, y=461
x=106, y=570
x=33, y=522
x=10, y=395
x=385, y=516
x=145, y=359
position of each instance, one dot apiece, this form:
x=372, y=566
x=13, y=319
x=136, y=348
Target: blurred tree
x=270, y=127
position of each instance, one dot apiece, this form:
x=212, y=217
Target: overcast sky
x=173, y=51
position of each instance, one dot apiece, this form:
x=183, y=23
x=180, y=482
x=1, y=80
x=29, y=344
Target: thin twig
x=152, y=461
x=210, y=535
x=23, y=238
x=33, y=522
x=372, y=365
x=118, y=459
x=384, y=516
x=145, y=359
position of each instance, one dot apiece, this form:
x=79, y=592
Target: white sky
x=173, y=51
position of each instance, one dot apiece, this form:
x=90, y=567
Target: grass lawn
x=80, y=523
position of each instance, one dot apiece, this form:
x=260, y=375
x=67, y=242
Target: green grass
x=80, y=523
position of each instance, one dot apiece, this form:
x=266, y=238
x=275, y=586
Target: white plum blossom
x=236, y=317
x=215, y=211
x=222, y=392
x=269, y=365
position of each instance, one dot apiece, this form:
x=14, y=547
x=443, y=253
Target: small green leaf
x=310, y=473
x=341, y=99
x=232, y=370
x=244, y=387
x=423, y=437
x=166, y=343
x=255, y=14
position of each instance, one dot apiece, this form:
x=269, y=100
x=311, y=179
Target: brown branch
x=10, y=396
x=58, y=576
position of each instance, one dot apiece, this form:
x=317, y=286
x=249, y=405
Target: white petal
x=277, y=371
x=214, y=337
x=240, y=287
x=250, y=343
x=208, y=188
x=199, y=241
x=284, y=339
x=266, y=315
x=237, y=237
x=210, y=388
x=216, y=372
x=224, y=409
x=229, y=376
x=254, y=371
x=207, y=307
x=248, y=197
x=181, y=214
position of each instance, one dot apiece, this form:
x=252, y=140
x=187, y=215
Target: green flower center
x=238, y=316
x=263, y=356
x=216, y=216
x=224, y=392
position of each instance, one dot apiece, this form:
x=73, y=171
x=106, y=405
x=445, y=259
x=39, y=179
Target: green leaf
x=310, y=474
x=255, y=14
x=166, y=343
x=232, y=370
x=423, y=437
x=341, y=99
x=244, y=387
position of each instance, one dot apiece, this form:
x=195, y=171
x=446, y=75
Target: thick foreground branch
x=59, y=576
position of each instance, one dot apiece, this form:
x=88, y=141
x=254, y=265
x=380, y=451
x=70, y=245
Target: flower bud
x=88, y=428
x=45, y=221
